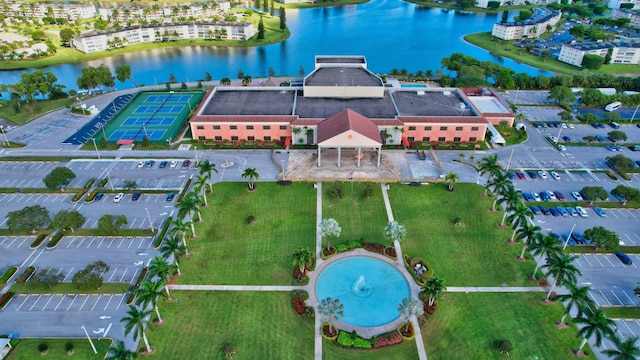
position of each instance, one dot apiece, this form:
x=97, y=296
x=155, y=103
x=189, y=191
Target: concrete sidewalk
x=496, y=289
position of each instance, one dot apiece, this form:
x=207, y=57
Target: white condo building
x=615, y=4
x=633, y=16
x=622, y=53
x=533, y=27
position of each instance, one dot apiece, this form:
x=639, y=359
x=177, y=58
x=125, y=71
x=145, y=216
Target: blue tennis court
x=137, y=135
x=155, y=99
x=154, y=109
x=134, y=121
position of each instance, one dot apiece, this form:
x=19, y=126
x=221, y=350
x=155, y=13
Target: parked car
x=554, y=211
x=118, y=197
x=576, y=195
x=600, y=138
x=511, y=175
x=569, y=239
x=634, y=148
x=535, y=210
x=136, y=196
x=140, y=164
x=572, y=211
x=163, y=164
x=570, y=125
x=614, y=148
x=551, y=195
x=520, y=176
x=527, y=196
x=98, y=196
x=186, y=163
x=600, y=212
x=566, y=139
x=532, y=174
x=579, y=238
x=170, y=196
x=555, y=175
x=559, y=195
x=545, y=210
x=544, y=196
x=562, y=211
x=542, y=174
x=173, y=164
x=536, y=197
x=581, y=211
x=624, y=258
x=150, y=163
x=553, y=139
x=562, y=147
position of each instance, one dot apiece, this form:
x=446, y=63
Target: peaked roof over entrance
x=348, y=128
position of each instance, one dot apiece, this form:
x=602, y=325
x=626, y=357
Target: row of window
x=444, y=128
x=235, y=127
x=235, y=138
x=441, y=139
x=410, y=138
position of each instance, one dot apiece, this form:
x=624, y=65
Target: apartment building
x=533, y=27
x=632, y=15
x=615, y=4
x=622, y=53
x=68, y=11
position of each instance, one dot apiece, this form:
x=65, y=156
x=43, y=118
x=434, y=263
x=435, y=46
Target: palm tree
x=201, y=184
x=303, y=258
x=181, y=227
x=189, y=205
x=250, y=174
x=119, y=352
x=451, y=178
x=433, y=289
x=489, y=165
x=329, y=310
x=148, y=293
x=159, y=267
x=136, y=321
x=625, y=350
x=521, y=217
x=499, y=184
x=543, y=245
x=394, y=231
x=207, y=167
x=410, y=307
x=173, y=246
x=511, y=197
x=578, y=297
x=595, y=323
x=528, y=233
x=329, y=227
x=560, y=266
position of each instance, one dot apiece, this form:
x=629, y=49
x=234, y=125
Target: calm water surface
x=390, y=33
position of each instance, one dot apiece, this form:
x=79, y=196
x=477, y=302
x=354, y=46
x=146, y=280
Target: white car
x=535, y=196
x=581, y=211
x=118, y=197
x=542, y=174
x=570, y=126
x=551, y=195
x=555, y=175
x=173, y=164
x=141, y=164
x=562, y=147
x=576, y=195
x=553, y=139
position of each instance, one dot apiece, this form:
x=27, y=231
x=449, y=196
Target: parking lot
x=611, y=281
x=25, y=174
x=67, y=302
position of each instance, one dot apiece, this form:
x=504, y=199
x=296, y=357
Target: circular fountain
x=369, y=289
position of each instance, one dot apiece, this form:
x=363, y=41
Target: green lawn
x=359, y=217
x=260, y=325
x=229, y=251
x=27, y=349
x=622, y=312
x=466, y=325
x=31, y=111
x=473, y=254
x=404, y=351
x=66, y=288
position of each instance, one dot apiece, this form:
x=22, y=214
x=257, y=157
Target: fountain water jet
x=361, y=288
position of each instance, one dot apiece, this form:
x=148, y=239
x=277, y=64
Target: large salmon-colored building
x=343, y=92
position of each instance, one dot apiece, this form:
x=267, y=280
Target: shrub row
x=38, y=240
x=89, y=183
x=90, y=196
x=132, y=291
x=388, y=339
x=299, y=294
x=298, y=305
x=26, y=275
x=379, y=248
x=103, y=182
x=162, y=233
x=77, y=196
x=346, y=339
x=55, y=240
x=348, y=246
x=4, y=299
x=8, y=274
x=184, y=191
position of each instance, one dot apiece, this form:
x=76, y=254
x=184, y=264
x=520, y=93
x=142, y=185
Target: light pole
x=284, y=170
x=634, y=114
x=195, y=150
x=5, y=135
x=568, y=237
x=88, y=338
x=510, y=156
x=103, y=133
x=109, y=178
x=150, y=223
x=145, y=131
x=95, y=146
x=515, y=101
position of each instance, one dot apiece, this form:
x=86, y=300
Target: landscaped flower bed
x=55, y=240
x=89, y=183
x=374, y=247
x=132, y=290
x=77, y=196
x=388, y=339
x=298, y=305
x=103, y=182
x=162, y=233
x=4, y=299
x=38, y=240
x=8, y=274
x=26, y=275
x=346, y=339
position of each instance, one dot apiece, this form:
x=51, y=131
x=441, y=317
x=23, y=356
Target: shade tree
x=30, y=218
x=58, y=178
x=68, y=219
x=330, y=310
x=394, y=231
x=602, y=237
x=408, y=308
x=329, y=227
x=90, y=277
x=135, y=322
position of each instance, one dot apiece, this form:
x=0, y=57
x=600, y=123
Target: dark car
x=150, y=163
x=566, y=139
x=579, y=238
x=98, y=196
x=559, y=195
x=511, y=175
x=136, y=196
x=163, y=164
x=545, y=196
x=600, y=138
x=535, y=210
x=527, y=196
x=186, y=163
x=571, y=241
x=520, y=175
x=170, y=196
x=634, y=148
x=532, y=174
x=624, y=258
x=545, y=210
x=554, y=211
x=638, y=162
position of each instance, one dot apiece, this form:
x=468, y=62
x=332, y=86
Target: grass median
x=27, y=349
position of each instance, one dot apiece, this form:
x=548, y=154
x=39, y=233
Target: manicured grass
x=473, y=254
x=466, y=325
x=359, y=217
x=30, y=111
x=622, y=312
x=27, y=349
x=229, y=251
x=403, y=351
x=322, y=4
x=69, y=288
x=260, y=325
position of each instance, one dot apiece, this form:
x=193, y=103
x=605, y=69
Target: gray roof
x=430, y=103
x=342, y=76
x=340, y=60
x=250, y=102
x=373, y=108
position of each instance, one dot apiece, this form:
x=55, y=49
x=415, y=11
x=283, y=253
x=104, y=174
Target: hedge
x=184, y=191
x=132, y=293
x=38, y=240
x=8, y=274
x=162, y=233
x=26, y=275
x=103, y=182
x=4, y=299
x=78, y=196
x=89, y=183
x=55, y=240
x=345, y=339
x=90, y=196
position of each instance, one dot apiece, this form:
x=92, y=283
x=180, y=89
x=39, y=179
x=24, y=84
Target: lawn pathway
x=422, y=354
x=317, y=344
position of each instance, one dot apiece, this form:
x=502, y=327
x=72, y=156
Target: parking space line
x=612, y=212
x=69, y=274
x=72, y=301
x=81, y=241
x=107, y=304
x=23, y=302
x=97, y=301
x=134, y=276
x=91, y=242
x=630, y=212
x=113, y=274
x=45, y=305
x=110, y=243
x=121, y=300
x=130, y=243
x=62, y=297
x=100, y=244
x=630, y=300
x=605, y=298
x=23, y=241
x=34, y=304
x=617, y=298
x=125, y=272
x=586, y=258
x=85, y=301
x=597, y=260
x=607, y=256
